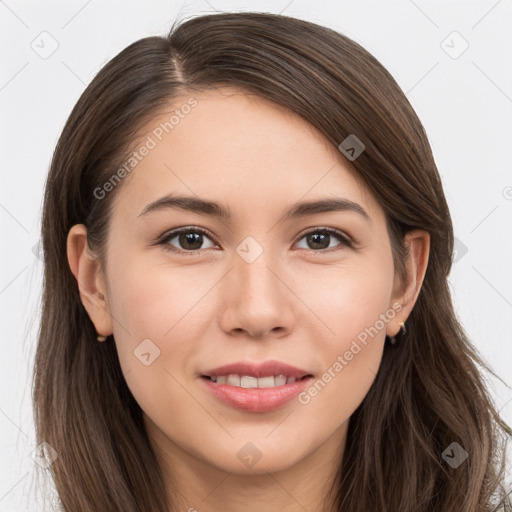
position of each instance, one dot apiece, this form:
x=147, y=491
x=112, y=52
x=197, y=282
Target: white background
x=465, y=104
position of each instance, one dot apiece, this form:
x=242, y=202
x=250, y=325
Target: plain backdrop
x=451, y=58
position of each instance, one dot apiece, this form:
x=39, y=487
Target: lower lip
x=256, y=399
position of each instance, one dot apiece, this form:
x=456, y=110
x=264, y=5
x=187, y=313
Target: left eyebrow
x=308, y=208
x=213, y=209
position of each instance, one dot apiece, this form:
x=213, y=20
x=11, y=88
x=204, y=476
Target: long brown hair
x=429, y=391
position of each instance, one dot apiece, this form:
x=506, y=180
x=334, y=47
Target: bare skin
x=298, y=302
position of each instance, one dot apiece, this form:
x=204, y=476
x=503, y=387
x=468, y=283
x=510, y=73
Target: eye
x=321, y=238
x=190, y=240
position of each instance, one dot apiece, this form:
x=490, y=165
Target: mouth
x=256, y=387
x=251, y=394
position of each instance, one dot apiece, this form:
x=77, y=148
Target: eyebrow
x=213, y=209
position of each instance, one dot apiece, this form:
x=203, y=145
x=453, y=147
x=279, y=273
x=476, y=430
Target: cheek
x=353, y=304
x=350, y=299
x=153, y=302
x=152, y=331
x=161, y=311
x=352, y=355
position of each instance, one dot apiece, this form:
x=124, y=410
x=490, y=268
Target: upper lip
x=264, y=369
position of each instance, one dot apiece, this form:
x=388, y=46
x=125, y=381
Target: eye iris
x=189, y=237
x=315, y=238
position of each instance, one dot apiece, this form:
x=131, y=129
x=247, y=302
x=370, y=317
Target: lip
x=265, y=369
x=256, y=399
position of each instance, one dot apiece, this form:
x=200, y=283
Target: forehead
x=239, y=149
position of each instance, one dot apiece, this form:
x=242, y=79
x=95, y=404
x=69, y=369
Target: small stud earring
x=392, y=339
x=101, y=338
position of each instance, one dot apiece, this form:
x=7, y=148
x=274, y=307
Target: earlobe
x=418, y=244
x=90, y=279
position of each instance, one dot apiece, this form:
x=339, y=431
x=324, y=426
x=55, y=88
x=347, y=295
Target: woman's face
x=259, y=286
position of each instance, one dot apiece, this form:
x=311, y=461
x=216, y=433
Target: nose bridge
x=252, y=269
x=258, y=299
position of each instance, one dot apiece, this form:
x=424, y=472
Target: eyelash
x=164, y=239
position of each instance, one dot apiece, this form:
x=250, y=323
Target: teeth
x=233, y=380
x=247, y=381
x=266, y=382
x=280, y=380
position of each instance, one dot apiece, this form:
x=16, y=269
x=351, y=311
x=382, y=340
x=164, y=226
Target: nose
x=258, y=299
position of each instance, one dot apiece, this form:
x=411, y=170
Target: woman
x=246, y=246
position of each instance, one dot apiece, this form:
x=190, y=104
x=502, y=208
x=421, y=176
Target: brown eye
x=187, y=239
x=320, y=240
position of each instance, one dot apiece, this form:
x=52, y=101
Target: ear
x=90, y=278
x=418, y=244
